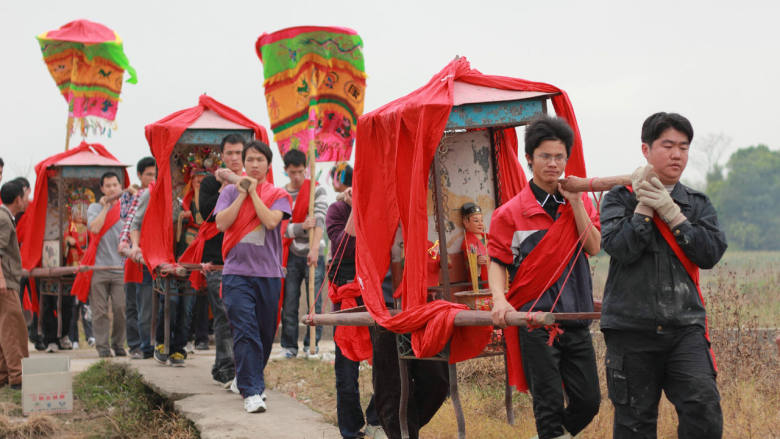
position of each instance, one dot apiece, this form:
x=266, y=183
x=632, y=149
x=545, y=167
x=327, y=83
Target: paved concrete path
x=215, y=412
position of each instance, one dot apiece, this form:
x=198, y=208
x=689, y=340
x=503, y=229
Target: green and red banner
x=313, y=67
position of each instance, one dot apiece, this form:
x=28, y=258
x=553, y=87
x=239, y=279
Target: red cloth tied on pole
x=83, y=281
x=397, y=145
x=194, y=252
x=33, y=223
x=157, y=233
x=133, y=272
x=354, y=341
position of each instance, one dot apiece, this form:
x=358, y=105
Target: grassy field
x=743, y=298
x=110, y=401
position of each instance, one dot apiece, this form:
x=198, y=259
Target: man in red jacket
x=568, y=363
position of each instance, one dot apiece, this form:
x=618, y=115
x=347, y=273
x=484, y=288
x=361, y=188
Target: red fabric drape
x=194, y=252
x=354, y=341
x=84, y=279
x=133, y=272
x=33, y=222
x=162, y=136
x=397, y=145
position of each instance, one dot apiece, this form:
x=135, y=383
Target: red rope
x=555, y=330
x=341, y=248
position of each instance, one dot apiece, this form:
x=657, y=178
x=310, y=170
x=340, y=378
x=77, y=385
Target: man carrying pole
x=658, y=234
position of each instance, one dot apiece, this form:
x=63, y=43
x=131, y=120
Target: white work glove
x=655, y=195
x=640, y=175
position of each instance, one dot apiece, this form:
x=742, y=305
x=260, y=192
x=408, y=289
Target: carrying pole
x=312, y=158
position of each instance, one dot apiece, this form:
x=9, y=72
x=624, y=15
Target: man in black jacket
x=653, y=315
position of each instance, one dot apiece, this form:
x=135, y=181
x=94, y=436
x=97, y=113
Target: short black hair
x=23, y=181
x=109, y=174
x=548, y=128
x=231, y=138
x=10, y=191
x=2, y=163
x=343, y=173
x=659, y=122
x=294, y=157
x=145, y=163
x=260, y=147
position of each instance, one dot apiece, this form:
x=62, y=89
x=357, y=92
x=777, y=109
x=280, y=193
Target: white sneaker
x=262, y=395
x=254, y=404
x=190, y=348
x=75, y=345
x=91, y=342
x=234, y=386
x=375, y=432
x=52, y=348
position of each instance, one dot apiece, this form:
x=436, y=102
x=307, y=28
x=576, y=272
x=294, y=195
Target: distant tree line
x=746, y=194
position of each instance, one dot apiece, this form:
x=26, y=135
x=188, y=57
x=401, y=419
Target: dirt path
x=215, y=412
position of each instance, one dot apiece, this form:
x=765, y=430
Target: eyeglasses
x=560, y=158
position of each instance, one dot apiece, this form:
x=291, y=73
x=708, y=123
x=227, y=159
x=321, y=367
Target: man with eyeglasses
x=552, y=362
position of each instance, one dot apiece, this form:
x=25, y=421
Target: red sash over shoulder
x=84, y=279
x=690, y=268
x=247, y=219
x=532, y=279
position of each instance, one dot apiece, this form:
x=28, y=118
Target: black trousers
x=641, y=364
x=48, y=307
x=428, y=386
x=568, y=366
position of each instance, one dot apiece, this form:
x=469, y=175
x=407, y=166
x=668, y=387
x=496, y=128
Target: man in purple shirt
x=252, y=273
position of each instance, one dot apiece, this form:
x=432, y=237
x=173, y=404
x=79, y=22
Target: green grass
x=131, y=408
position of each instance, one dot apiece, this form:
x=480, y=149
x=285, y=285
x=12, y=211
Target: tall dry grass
x=743, y=296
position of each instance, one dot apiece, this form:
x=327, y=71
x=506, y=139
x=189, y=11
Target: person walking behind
x=299, y=256
x=103, y=287
x=138, y=282
x=208, y=244
x=13, y=330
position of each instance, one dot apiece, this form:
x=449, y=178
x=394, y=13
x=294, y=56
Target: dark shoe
x=40, y=346
x=16, y=386
x=104, y=354
x=159, y=356
x=120, y=352
x=176, y=359
x=202, y=346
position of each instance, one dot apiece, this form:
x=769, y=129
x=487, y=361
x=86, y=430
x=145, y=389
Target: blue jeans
x=297, y=273
x=224, y=367
x=142, y=294
x=180, y=315
x=131, y=316
x=251, y=304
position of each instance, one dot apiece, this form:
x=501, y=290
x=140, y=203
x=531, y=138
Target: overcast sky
x=715, y=62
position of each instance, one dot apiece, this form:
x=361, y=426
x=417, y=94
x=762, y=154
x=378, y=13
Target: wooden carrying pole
x=594, y=184
x=312, y=267
x=463, y=318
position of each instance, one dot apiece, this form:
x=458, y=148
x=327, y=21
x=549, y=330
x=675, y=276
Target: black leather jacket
x=647, y=287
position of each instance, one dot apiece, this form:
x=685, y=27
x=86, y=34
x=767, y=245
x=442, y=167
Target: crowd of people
x=657, y=232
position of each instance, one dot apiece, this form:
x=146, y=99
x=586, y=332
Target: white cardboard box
x=47, y=385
